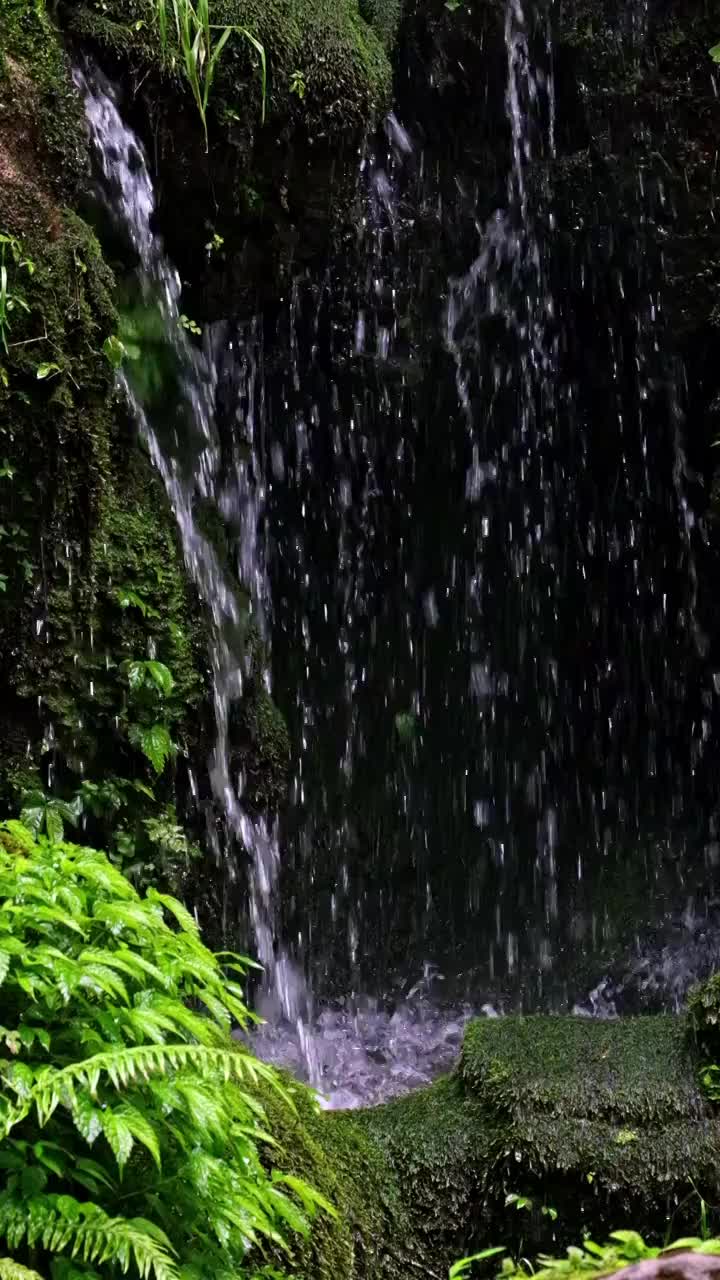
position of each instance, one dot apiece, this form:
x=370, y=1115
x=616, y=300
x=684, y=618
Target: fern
x=128, y=1116
x=10, y=1270
x=61, y=1224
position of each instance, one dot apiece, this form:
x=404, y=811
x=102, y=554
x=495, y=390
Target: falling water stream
x=188, y=459
x=455, y=459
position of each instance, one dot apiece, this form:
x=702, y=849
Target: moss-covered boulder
x=592, y=1125
x=603, y=1120
x=337, y=51
x=271, y=180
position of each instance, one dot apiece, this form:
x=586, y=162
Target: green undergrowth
x=623, y=1249
x=132, y=1132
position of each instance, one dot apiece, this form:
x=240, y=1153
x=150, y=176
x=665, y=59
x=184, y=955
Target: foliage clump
x=703, y=1013
x=131, y=1130
x=623, y=1249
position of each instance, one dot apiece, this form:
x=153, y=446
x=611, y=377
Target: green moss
x=384, y=17
x=371, y=1237
x=42, y=155
x=83, y=512
x=441, y=1146
x=132, y=555
x=605, y=1117
x=340, y=55
x=264, y=746
x=634, y=1071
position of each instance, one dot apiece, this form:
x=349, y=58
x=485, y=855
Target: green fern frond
x=61, y=1224
x=10, y=1270
x=117, y=1039
x=125, y=1067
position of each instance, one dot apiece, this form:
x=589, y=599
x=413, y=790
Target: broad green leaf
x=162, y=677
x=114, y=350
x=32, y=818
x=54, y=824
x=156, y=745
x=181, y=913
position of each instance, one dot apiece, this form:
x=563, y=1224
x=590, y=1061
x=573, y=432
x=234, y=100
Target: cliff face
x=91, y=570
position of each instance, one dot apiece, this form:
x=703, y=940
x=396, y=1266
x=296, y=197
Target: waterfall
x=188, y=459
x=470, y=539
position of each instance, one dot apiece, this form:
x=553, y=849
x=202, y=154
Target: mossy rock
x=371, y=1237
x=636, y=1070
x=440, y=1144
x=84, y=514
x=604, y=1118
x=339, y=54
x=271, y=192
x=602, y=1122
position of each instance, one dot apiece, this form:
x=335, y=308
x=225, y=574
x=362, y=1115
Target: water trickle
x=188, y=459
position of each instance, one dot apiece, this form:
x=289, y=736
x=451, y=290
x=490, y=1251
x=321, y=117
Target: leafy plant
x=149, y=675
x=115, y=350
x=710, y=1081
x=191, y=326
x=200, y=47
x=298, y=85
x=463, y=1266
x=49, y=369
x=526, y=1202
x=591, y=1259
x=49, y=813
x=148, y=845
x=150, y=684
x=131, y=1126
x=127, y=598
x=155, y=743
x=11, y=250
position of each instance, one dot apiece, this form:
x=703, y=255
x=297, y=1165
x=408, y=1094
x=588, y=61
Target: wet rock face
x=635, y=95
x=273, y=177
